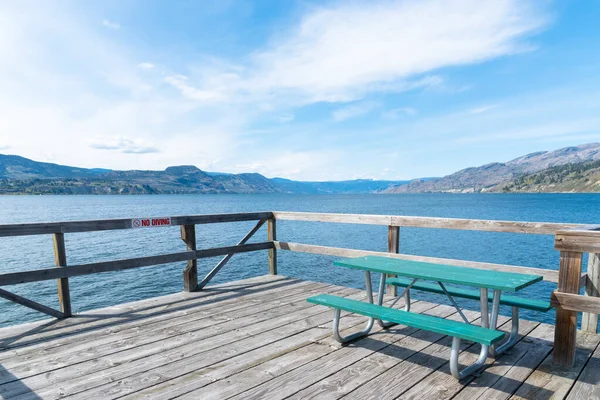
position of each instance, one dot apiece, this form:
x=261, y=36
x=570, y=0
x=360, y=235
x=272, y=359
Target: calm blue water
x=101, y=290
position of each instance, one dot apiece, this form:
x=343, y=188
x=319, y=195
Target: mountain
x=486, y=177
x=579, y=178
x=15, y=167
x=353, y=186
x=20, y=175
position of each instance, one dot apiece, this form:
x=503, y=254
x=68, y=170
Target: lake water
x=101, y=290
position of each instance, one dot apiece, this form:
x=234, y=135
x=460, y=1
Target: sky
x=307, y=90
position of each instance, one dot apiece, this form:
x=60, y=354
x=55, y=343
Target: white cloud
x=145, y=65
x=344, y=51
x=59, y=95
x=293, y=164
x=396, y=113
x=4, y=147
x=181, y=82
x=353, y=111
x=482, y=109
x=284, y=118
x=536, y=130
x=110, y=25
x=124, y=145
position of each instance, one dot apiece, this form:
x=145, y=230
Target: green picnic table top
x=481, y=278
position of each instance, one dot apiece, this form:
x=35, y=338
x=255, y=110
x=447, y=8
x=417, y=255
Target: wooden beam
x=581, y=230
x=541, y=228
x=583, y=241
x=60, y=259
x=271, y=237
x=190, y=273
x=394, y=248
x=106, y=266
x=548, y=275
x=589, y=320
x=225, y=259
x=15, y=298
x=565, y=330
x=221, y=218
x=116, y=224
x=575, y=302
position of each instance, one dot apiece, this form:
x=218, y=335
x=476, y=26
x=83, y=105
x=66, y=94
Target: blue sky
x=310, y=90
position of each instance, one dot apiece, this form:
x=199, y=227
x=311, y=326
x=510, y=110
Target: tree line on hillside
x=577, y=174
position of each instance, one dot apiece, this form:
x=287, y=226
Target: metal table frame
x=488, y=320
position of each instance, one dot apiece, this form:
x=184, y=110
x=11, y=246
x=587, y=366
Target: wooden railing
x=572, y=244
x=571, y=239
x=188, y=235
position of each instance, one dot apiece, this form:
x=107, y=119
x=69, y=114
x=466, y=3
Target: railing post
x=393, y=247
x=589, y=321
x=565, y=329
x=190, y=273
x=272, y=236
x=60, y=259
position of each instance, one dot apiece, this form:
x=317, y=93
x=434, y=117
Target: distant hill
x=579, y=178
x=16, y=167
x=353, y=186
x=20, y=175
x=490, y=176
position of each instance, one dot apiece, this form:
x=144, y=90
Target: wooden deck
x=259, y=338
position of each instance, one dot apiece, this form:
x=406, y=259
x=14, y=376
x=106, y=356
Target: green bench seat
x=430, y=323
x=536, y=305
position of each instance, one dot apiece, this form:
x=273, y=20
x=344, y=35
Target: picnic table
x=409, y=274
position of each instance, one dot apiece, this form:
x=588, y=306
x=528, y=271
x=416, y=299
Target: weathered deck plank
x=27, y=334
x=588, y=383
x=259, y=338
x=147, y=335
x=289, y=384
x=375, y=364
x=106, y=368
x=177, y=314
x=441, y=385
x=549, y=378
x=254, y=372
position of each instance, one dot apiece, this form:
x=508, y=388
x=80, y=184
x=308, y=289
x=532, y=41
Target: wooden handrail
x=575, y=302
x=46, y=274
x=539, y=228
x=125, y=223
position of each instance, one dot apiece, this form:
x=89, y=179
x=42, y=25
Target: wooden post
x=60, y=260
x=272, y=236
x=589, y=321
x=393, y=247
x=565, y=329
x=190, y=273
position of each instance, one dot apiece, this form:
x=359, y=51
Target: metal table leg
x=370, y=322
x=512, y=339
x=405, y=293
x=485, y=323
x=498, y=349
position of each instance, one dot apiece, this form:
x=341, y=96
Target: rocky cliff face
x=488, y=176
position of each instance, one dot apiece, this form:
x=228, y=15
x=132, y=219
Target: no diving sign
x=150, y=222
